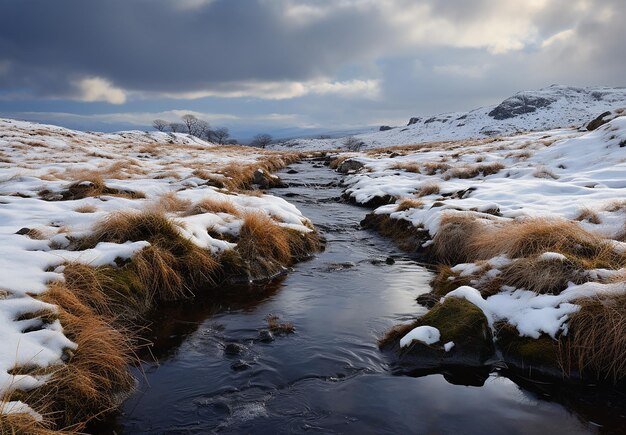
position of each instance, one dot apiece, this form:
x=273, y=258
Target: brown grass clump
x=94, y=186
x=210, y=205
x=171, y=203
x=409, y=203
x=337, y=161
x=531, y=237
x=87, y=208
x=96, y=375
x=544, y=172
x=451, y=244
x=407, y=166
x=472, y=171
x=431, y=168
x=21, y=424
x=260, y=237
x=542, y=276
x=428, y=188
x=596, y=341
x=169, y=269
x=588, y=215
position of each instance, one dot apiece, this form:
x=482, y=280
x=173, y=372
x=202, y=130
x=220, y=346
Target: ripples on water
x=329, y=377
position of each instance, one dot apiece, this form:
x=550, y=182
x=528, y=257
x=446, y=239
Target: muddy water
x=215, y=370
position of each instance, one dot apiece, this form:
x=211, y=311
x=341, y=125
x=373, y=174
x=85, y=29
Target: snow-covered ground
x=548, y=108
x=564, y=173
x=37, y=165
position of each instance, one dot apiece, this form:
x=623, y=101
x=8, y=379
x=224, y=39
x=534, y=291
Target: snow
x=569, y=106
x=34, y=157
x=448, y=346
x=424, y=334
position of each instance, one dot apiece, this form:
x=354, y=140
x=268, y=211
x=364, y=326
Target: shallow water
x=329, y=376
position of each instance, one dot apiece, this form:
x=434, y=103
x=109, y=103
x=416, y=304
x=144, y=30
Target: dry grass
x=431, y=168
x=588, y=215
x=451, y=244
x=87, y=208
x=472, y=171
x=169, y=269
x=88, y=187
x=409, y=203
x=260, y=237
x=543, y=172
x=464, y=238
x=542, y=276
x=209, y=205
x=170, y=203
x=24, y=424
x=96, y=375
x=407, y=166
x=596, y=342
x=428, y=188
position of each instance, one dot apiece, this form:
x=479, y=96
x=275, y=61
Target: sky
x=290, y=67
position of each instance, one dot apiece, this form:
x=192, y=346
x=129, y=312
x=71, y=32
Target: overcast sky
x=278, y=65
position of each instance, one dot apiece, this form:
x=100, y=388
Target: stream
x=214, y=369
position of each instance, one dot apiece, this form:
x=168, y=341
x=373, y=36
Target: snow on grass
x=589, y=171
x=568, y=107
x=41, y=217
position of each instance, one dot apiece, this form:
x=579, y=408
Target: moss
x=543, y=351
x=458, y=320
x=442, y=284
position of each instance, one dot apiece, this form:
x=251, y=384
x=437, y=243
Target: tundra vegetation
x=527, y=239
x=100, y=229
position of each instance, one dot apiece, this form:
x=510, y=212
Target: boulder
x=384, y=128
x=519, y=105
x=605, y=117
x=350, y=165
x=414, y=120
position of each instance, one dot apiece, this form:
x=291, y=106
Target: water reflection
x=213, y=372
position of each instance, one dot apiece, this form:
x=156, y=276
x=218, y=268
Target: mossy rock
x=459, y=321
x=526, y=353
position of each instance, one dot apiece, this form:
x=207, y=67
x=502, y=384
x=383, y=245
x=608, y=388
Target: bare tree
x=160, y=124
x=201, y=129
x=261, y=140
x=190, y=122
x=221, y=135
x=353, y=144
x=176, y=127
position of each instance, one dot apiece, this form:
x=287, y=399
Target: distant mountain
x=553, y=107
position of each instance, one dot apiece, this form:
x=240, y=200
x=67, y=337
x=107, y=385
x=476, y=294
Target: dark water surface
x=329, y=376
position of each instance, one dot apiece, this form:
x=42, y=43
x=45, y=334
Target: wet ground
x=215, y=369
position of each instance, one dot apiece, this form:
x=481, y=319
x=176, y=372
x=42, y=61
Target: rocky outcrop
x=519, y=105
x=605, y=117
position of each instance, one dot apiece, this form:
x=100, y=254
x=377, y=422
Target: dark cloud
x=159, y=45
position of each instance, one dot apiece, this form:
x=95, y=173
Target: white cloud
x=98, y=89
x=278, y=90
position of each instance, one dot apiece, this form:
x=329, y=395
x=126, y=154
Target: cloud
x=98, y=89
x=277, y=90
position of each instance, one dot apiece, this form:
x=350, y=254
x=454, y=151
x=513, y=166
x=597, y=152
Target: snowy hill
x=548, y=108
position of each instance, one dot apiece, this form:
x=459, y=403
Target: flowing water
x=215, y=370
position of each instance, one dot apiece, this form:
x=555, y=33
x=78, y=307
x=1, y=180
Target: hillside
x=544, y=109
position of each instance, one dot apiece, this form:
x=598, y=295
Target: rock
x=605, y=118
x=265, y=180
x=518, y=105
x=240, y=365
x=390, y=261
x=350, y=165
x=266, y=336
x=414, y=120
x=233, y=349
x=23, y=231
x=384, y=128
x=292, y=171
x=457, y=320
x=393, y=155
